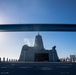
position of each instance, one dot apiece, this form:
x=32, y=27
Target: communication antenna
x=38, y=32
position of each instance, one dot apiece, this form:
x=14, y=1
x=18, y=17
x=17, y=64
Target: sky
x=42, y=12
x=11, y=43
x=37, y=11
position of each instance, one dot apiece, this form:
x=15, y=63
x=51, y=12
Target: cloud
x=29, y=41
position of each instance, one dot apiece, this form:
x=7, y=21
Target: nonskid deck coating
x=38, y=68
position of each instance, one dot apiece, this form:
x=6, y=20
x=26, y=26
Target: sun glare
x=3, y=20
x=1, y=36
